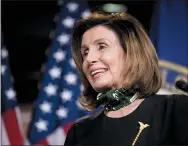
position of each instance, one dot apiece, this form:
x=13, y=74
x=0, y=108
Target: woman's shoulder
x=172, y=103
x=82, y=126
x=87, y=120
x=180, y=104
x=172, y=98
x=176, y=104
x=172, y=111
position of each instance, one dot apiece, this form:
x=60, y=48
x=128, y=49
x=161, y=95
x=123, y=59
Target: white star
x=72, y=6
x=86, y=13
x=59, y=55
x=72, y=63
x=62, y=112
x=63, y=38
x=3, y=69
x=80, y=107
x=46, y=107
x=4, y=53
x=66, y=95
x=50, y=89
x=70, y=78
x=41, y=125
x=55, y=72
x=10, y=93
x=68, y=22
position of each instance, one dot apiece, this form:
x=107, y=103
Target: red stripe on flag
x=42, y=142
x=67, y=126
x=12, y=127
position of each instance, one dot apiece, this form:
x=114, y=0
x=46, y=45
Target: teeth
x=97, y=71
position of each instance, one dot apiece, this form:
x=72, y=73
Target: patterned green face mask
x=116, y=98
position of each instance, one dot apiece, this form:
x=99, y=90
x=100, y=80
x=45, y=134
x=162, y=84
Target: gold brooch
x=141, y=128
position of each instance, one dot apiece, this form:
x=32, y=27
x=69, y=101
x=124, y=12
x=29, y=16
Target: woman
x=119, y=69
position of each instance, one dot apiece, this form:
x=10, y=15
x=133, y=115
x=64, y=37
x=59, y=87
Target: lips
x=98, y=71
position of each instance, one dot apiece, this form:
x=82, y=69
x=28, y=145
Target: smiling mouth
x=97, y=74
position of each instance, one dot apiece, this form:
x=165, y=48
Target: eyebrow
x=97, y=40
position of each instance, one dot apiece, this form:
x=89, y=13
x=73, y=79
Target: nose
x=92, y=57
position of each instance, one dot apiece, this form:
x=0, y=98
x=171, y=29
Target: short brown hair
x=141, y=58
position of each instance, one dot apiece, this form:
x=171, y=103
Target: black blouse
x=164, y=118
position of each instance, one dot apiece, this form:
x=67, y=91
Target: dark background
x=26, y=27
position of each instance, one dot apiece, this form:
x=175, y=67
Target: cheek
x=112, y=63
x=117, y=65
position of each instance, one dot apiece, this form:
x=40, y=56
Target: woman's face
x=103, y=58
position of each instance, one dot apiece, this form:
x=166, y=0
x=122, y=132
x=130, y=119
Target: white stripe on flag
x=57, y=137
x=26, y=142
x=19, y=119
x=5, y=139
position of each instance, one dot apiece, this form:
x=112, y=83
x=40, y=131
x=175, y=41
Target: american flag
x=56, y=107
x=11, y=124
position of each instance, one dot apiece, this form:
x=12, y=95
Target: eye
x=102, y=46
x=84, y=53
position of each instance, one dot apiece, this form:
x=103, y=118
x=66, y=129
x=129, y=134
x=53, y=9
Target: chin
x=101, y=84
x=101, y=88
